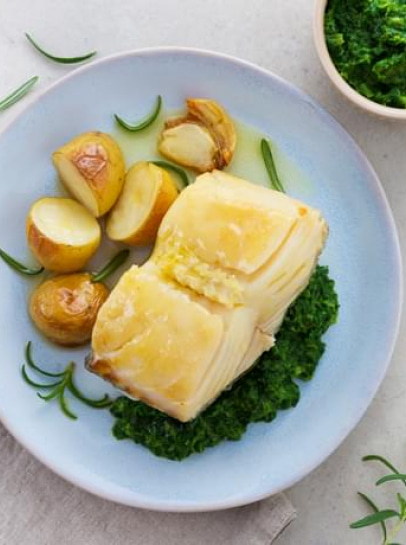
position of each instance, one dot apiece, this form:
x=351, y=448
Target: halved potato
x=204, y=139
x=65, y=308
x=147, y=194
x=62, y=234
x=91, y=166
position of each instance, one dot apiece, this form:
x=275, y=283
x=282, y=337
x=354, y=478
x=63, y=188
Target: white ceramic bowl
x=337, y=79
x=327, y=170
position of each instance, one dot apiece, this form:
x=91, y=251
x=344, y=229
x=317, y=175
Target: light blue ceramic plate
x=362, y=252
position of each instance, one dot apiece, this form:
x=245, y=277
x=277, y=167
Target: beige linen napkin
x=39, y=508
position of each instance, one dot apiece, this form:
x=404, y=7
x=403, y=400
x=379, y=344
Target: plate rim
x=129, y=498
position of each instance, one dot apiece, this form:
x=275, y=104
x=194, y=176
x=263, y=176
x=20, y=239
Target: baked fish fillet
x=230, y=258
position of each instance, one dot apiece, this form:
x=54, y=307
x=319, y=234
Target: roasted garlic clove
x=219, y=123
x=203, y=140
x=190, y=145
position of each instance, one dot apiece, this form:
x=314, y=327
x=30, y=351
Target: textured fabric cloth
x=39, y=508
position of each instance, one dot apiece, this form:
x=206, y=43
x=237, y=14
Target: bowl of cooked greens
x=186, y=275
x=361, y=45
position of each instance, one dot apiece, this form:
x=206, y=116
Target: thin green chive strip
x=18, y=94
x=19, y=267
x=141, y=125
x=270, y=166
x=179, y=171
x=111, y=267
x=60, y=60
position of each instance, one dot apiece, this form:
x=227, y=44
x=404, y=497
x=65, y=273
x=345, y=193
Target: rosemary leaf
x=33, y=365
x=382, y=460
x=111, y=267
x=51, y=395
x=375, y=518
x=65, y=407
x=270, y=166
x=101, y=403
x=60, y=60
x=392, y=477
x=19, y=267
x=29, y=381
x=375, y=509
x=18, y=94
x=177, y=170
x=402, y=504
x=147, y=122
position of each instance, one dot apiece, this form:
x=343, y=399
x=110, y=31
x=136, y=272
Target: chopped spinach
x=367, y=43
x=257, y=397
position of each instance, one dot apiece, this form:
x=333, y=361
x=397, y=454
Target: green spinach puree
x=256, y=397
x=367, y=43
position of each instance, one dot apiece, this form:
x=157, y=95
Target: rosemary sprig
x=380, y=516
x=173, y=168
x=18, y=94
x=141, y=125
x=111, y=266
x=19, y=267
x=60, y=60
x=270, y=166
x=58, y=389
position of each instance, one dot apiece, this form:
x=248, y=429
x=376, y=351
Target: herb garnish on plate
x=145, y=123
x=64, y=382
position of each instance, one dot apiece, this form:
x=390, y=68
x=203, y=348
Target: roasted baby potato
x=91, y=166
x=203, y=140
x=148, y=193
x=62, y=234
x=65, y=307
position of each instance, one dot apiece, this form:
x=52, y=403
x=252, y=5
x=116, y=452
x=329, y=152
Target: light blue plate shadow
x=363, y=255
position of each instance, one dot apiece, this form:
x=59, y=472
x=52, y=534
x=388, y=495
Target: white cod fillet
x=230, y=258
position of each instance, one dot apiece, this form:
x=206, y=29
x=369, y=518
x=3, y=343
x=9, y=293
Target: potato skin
x=145, y=233
x=100, y=162
x=64, y=308
x=56, y=257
